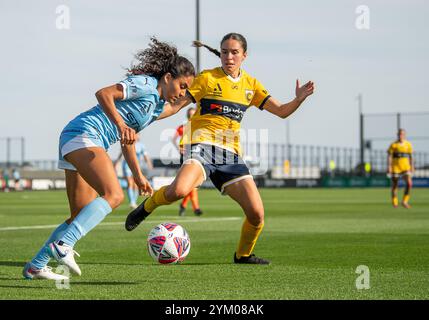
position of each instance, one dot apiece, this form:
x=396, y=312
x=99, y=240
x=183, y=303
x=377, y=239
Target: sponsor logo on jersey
x=230, y=110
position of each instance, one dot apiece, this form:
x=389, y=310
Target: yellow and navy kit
x=221, y=104
x=401, y=153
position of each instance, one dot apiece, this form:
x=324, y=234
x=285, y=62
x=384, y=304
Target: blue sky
x=51, y=75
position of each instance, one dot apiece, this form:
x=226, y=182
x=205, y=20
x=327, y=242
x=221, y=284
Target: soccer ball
x=168, y=243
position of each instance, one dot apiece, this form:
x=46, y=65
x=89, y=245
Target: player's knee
x=176, y=192
x=114, y=198
x=256, y=217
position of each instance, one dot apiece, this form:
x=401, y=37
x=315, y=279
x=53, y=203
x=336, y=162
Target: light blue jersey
x=140, y=152
x=140, y=106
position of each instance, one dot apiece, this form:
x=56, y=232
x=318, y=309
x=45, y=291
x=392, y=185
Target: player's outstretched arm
x=171, y=109
x=285, y=110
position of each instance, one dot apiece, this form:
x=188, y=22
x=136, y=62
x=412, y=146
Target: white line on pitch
x=50, y=226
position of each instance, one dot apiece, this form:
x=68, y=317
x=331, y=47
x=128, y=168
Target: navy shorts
x=222, y=166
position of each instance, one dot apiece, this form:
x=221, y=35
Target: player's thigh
x=395, y=181
x=407, y=179
x=96, y=168
x=246, y=194
x=79, y=193
x=189, y=176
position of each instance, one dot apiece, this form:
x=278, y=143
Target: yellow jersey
x=221, y=104
x=401, y=154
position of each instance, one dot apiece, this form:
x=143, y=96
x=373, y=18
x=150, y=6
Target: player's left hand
x=304, y=91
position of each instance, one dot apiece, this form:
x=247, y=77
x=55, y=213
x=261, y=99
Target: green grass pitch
x=315, y=238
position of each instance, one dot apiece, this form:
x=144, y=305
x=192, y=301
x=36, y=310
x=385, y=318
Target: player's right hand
x=127, y=134
x=144, y=186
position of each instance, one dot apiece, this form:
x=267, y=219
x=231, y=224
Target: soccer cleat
x=136, y=216
x=64, y=254
x=406, y=205
x=133, y=205
x=30, y=273
x=252, y=259
x=198, y=212
x=182, y=210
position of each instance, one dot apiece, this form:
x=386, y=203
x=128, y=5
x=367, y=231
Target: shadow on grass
x=25, y=287
x=205, y=263
x=13, y=263
x=149, y=264
x=103, y=283
x=146, y=264
x=81, y=283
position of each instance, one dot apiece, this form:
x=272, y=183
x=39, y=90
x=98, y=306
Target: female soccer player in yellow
x=400, y=163
x=223, y=95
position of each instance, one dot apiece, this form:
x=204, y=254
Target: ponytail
x=199, y=44
x=236, y=36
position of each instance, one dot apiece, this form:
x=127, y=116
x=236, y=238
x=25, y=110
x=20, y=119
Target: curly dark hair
x=161, y=58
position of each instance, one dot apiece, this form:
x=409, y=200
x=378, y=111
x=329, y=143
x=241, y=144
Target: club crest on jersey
x=249, y=95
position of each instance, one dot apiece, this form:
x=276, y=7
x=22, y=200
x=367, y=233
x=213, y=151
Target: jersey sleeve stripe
x=124, y=89
x=263, y=102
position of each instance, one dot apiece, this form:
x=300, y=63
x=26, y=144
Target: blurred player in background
x=142, y=157
x=223, y=95
x=193, y=195
x=16, y=179
x=400, y=164
x=5, y=178
x=123, y=109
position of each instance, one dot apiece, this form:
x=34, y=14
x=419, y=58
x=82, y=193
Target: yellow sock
x=406, y=198
x=157, y=199
x=249, y=236
x=395, y=201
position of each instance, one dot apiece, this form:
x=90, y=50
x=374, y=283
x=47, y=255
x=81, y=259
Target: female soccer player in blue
x=223, y=95
x=125, y=108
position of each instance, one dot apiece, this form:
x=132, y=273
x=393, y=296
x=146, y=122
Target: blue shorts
x=72, y=139
x=222, y=166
